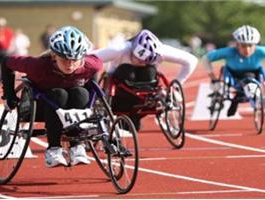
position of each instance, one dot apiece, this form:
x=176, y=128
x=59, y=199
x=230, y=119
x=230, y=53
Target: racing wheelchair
x=248, y=89
x=158, y=97
x=111, y=140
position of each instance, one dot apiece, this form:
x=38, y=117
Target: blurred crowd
x=13, y=41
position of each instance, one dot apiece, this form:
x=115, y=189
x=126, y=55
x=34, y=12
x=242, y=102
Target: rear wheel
x=124, y=162
x=15, y=132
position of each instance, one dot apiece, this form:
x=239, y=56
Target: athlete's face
x=67, y=66
x=136, y=61
x=246, y=50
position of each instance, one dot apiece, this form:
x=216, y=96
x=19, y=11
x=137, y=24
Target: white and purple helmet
x=247, y=35
x=69, y=42
x=145, y=47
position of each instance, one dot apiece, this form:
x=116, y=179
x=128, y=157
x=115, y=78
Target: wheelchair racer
x=136, y=60
x=243, y=60
x=61, y=73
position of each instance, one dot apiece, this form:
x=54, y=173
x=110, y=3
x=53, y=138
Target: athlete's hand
x=11, y=102
x=215, y=85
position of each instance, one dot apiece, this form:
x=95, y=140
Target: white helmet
x=247, y=35
x=146, y=46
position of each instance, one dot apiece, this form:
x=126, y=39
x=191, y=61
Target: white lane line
x=201, y=157
x=213, y=191
x=190, y=178
x=196, y=137
x=190, y=104
x=149, y=149
x=222, y=135
x=184, y=193
x=6, y=197
x=65, y=197
x=247, y=156
x=39, y=142
x=160, y=173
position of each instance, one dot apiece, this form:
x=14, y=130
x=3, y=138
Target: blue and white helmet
x=247, y=35
x=69, y=42
x=145, y=47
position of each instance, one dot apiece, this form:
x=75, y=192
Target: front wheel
x=216, y=105
x=123, y=164
x=171, y=120
x=177, y=141
x=102, y=110
x=258, y=110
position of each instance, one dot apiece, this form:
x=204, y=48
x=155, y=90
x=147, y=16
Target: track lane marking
x=201, y=157
x=237, y=146
x=187, y=178
x=160, y=173
x=222, y=135
x=6, y=197
x=213, y=191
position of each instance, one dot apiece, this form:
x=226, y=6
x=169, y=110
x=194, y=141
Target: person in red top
x=61, y=73
x=6, y=37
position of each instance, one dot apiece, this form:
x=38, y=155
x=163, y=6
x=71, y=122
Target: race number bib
x=72, y=116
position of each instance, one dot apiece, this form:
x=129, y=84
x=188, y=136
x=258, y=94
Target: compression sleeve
x=208, y=66
x=112, y=52
x=205, y=62
x=184, y=58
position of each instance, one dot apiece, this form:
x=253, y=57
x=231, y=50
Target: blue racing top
x=237, y=62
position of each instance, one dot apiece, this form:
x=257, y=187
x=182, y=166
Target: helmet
x=145, y=46
x=69, y=42
x=247, y=34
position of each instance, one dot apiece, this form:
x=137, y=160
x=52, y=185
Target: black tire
x=258, y=110
x=16, y=126
x=124, y=163
x=177, y=142
x=215, y=108
x=101, y=110
x=171, y=120
x=217, y=102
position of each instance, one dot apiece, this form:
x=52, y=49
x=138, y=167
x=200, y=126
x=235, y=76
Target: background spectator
x=45, y=36
x=6, y=37
x=20, y=43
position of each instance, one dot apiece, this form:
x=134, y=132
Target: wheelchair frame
x=224, y=94
x=169, y=110
x=108, y=132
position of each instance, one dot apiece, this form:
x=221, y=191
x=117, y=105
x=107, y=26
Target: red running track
x=226, y=163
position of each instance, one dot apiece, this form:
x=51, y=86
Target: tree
x=213, y=21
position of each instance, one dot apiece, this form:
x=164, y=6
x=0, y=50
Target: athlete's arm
x=215, y=55
x=184, y=58
x=208, y=66
x=112, y=52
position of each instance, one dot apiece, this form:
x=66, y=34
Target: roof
x=123, y=4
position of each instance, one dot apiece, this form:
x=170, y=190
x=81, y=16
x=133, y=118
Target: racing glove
x=8, y=80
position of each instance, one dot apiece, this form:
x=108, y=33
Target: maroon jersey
x=42, y=71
